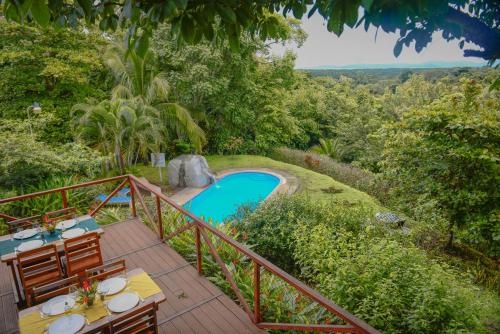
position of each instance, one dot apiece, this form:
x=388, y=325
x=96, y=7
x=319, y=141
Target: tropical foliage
x=138, y=118
x=370, y=269
x=416, y=20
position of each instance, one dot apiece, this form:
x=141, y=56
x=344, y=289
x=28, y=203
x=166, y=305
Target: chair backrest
x=103, y=329
x=60, y=215
x=23, y=223
x=82, y=253
x=139, y=320
x=42, y=293
x=106, y=270
x=37, y=267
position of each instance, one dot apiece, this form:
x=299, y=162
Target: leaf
x=187, y=29
x=40, y=12
x=55, y=5
x=367, y=4
x=181, y=4
x=398, y=48
x=141, y=44
x=227, y=14
x=86, y=6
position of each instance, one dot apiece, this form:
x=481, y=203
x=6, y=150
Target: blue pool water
x=223, y=198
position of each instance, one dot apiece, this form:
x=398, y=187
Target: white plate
x=29, y=245
x=73, y=233
x=25, y=234
x=58, y=305
x=112, y=285
x=69, y=324
x=123, y=302
x=65, y=224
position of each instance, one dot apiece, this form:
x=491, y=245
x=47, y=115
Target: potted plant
x=49, y=225
x=86, y=294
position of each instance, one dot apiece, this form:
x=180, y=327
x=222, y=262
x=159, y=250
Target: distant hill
x=429, y=65
x=387, y=77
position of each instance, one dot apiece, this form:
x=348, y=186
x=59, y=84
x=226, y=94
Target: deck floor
x=193, y=305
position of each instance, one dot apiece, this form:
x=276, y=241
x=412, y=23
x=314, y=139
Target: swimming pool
x=223, y=198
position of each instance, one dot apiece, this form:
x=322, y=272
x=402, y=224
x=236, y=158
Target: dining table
x=32, y=320
x=9, y=245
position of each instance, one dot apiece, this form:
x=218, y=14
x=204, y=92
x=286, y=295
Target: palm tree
x=117, y=128
x=331, y=147
x=138, y=81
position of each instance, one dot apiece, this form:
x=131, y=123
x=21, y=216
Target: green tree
x=473, y=21
x=448, y=152
x=145, y=88
x=116, y=128
x=330, y=147
x=56, y=68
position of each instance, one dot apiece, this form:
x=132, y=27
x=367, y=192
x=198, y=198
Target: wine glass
x=103, y=291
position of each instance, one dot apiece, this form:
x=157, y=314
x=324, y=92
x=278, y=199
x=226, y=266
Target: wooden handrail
x=358, y=324
x=7, y=217
x=51, y=191
x=355, y=325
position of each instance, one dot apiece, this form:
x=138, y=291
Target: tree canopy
x=474, y=21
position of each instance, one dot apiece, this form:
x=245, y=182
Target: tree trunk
x=119, y=159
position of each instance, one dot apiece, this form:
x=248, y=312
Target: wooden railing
x=202, y=231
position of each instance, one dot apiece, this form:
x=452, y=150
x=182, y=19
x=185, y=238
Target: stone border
x=288, y=183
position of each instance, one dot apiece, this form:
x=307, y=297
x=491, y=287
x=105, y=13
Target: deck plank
x=193, y=305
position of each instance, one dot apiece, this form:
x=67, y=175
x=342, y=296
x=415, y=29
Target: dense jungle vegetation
x=424, y=146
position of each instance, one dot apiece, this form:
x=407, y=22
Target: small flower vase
x=52, y=232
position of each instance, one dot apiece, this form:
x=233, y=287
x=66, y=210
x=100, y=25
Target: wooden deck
x=193, y=305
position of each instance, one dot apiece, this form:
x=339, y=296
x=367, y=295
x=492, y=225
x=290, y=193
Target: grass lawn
x=311, y=183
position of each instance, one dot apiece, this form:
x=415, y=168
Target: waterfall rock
x=189, y=170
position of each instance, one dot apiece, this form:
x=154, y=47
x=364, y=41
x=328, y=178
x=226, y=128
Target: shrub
x=25, y=161
x=372, y=271
x=447, y=152
x=355, y=177
x=271, y=227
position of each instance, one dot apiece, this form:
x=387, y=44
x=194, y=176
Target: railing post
x=132, y=197
x=158, y=212
x=198, y=250
x=64, y=199
x=256, y=292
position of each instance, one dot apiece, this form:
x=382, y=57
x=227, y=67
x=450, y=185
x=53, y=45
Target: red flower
x=86, y=286
x=85, y=300
x=328, y=321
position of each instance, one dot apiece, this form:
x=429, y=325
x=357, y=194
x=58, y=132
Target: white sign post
x=158, y=160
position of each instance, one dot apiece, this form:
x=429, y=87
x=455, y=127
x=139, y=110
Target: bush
x=271, y=227
x=345, y=173
x=447, y=153
x=25, y=161
x=372, y=271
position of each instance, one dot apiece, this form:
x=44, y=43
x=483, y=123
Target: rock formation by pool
x=189, y=170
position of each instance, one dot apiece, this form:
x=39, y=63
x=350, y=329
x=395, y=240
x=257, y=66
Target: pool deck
x=288, y=183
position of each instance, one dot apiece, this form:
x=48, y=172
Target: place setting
x=29, y=244
x=121, y=302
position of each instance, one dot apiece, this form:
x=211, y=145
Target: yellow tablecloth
x=142, y=284
x=33, y=323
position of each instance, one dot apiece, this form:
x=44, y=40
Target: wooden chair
x=110, y=269
x=140, y=320
x=103, y=329
x=42, y=293
x=23, y=223
x=82, y=253
x=37, y=267
x=60, y=215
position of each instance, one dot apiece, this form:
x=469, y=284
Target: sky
x=355, y=46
